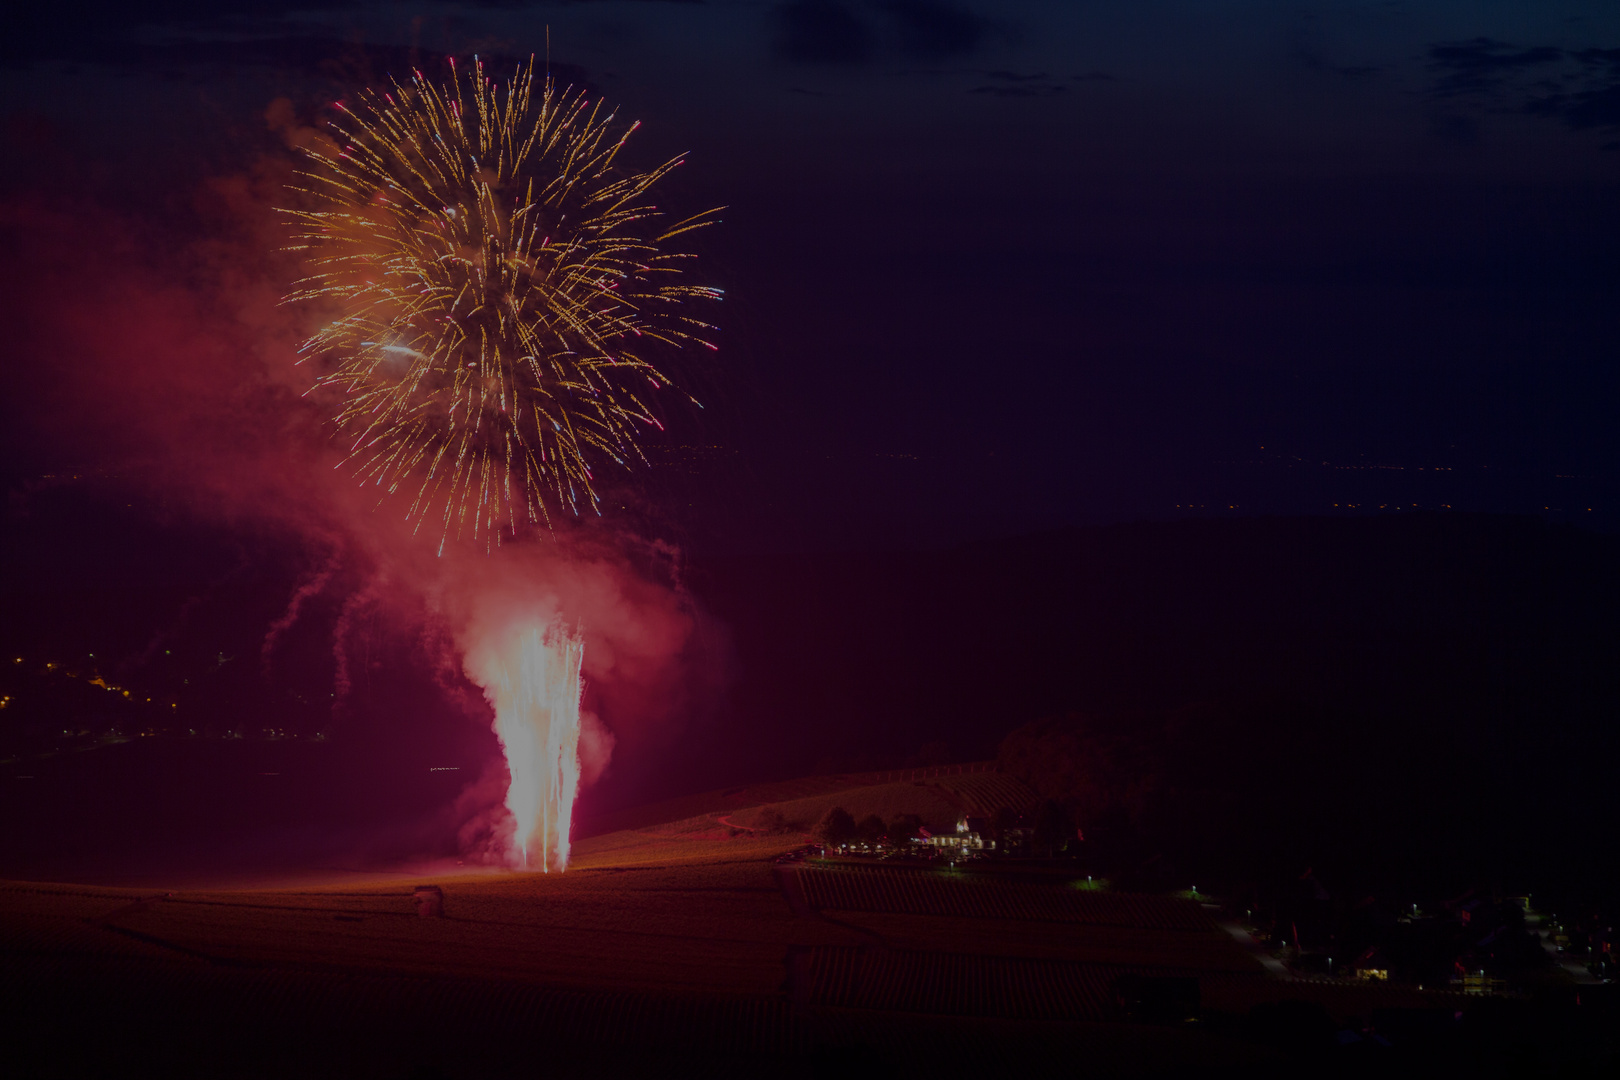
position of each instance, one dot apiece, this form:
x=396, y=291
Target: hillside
x=947, y=792
x=1414, y=702
x=1417, y=702
x=683, y=948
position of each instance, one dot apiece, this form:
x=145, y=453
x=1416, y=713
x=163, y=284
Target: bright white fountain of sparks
x=534, y=684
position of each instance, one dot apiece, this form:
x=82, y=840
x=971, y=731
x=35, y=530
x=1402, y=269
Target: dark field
x=686, y=948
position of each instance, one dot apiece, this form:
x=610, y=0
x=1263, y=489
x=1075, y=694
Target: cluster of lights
x=97, y=680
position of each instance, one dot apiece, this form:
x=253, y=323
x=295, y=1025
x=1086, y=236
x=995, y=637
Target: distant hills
x=1427, y=699
x=1429, y=696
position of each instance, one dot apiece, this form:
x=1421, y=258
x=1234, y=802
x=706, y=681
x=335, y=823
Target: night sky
x=996, y=268
x=989, y=270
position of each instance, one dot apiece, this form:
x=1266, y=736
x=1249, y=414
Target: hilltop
x=684, y=946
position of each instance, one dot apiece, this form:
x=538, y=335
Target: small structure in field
x=429, y=901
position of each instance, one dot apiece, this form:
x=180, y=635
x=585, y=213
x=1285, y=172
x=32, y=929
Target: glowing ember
x=534, y=685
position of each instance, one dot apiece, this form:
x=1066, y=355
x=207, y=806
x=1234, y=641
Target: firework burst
x=502, y=296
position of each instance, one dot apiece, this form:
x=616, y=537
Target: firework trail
x=533, y=681
x=500, y=293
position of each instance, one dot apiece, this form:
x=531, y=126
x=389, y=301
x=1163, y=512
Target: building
x=962, y=838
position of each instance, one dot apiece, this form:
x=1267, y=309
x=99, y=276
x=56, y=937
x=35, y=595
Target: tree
x=1053, y=827
x=904, y=827
x=1079, y=762
x=836, y=827
x=871, y=828
x=1003, y=819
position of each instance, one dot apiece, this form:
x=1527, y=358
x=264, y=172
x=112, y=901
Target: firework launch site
x=694, y=947
x=1147, y=891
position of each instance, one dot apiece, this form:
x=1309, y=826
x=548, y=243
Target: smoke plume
x=162, y=354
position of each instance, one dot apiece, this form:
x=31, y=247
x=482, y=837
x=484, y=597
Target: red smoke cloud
x=173, y=364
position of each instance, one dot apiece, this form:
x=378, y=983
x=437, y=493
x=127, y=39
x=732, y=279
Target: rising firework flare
x=534, y=684
x=502, y=297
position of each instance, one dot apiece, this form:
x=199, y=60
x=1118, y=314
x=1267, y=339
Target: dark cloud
x=1580, y=87
x=1039, y=84
x=820, y=32
x=509, y=4
x=1457, y=130
x=102, y=31
x=1314, y=58
x=1585, y=109
x=829, y=32
x=931, y=31
x=1607, y=59
x=57, y=31
x=1094, y=76
x=1483, y=64
x=1596, y=103
x=343, y=61
x=198, y=40
x=1019, y=90
x=111, y=31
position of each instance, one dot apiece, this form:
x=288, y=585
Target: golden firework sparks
x=502, y=294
